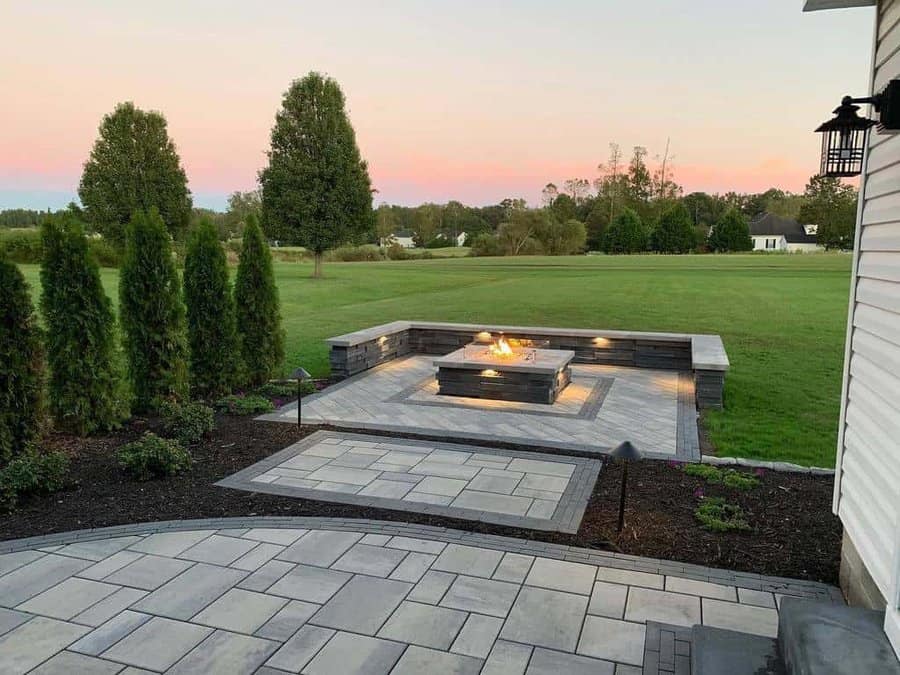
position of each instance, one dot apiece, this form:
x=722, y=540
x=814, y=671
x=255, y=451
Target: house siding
x=867, y=489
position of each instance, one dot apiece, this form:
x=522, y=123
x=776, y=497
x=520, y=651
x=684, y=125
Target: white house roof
x=816, y=5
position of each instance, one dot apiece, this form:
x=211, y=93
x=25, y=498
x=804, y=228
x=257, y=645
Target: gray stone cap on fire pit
x=707, y=351
x=546, y=361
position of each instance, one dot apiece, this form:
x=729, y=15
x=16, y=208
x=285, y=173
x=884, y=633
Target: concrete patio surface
x=323, y=596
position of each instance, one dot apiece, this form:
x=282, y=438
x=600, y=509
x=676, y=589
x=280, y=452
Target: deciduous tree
x=315, y=190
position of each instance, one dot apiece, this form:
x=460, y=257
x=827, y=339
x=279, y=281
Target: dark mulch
x=794, y=533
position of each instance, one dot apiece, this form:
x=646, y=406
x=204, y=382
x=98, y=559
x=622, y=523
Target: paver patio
x=603, y=406
x=323, y=596
x=523, y=489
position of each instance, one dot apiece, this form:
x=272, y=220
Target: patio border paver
x=566, y=517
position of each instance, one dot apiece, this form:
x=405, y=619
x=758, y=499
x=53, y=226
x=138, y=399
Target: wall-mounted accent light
x=844, y=135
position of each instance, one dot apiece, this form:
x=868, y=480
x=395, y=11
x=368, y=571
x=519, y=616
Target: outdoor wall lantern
x=844, y=135
x=626, y=453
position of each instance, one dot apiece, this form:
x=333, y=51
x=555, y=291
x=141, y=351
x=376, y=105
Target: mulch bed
x=794, y=533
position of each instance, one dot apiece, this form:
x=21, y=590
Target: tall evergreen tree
x=210, y=313
x=258, y=315
x=316, y=190
x=86, y=385
x=674, y=233
x=731, y=233
x=152, y=314
x=21, y=365
x=133, y=165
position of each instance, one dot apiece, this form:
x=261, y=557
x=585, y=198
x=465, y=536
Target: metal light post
x=626, y=453
x=301, y=375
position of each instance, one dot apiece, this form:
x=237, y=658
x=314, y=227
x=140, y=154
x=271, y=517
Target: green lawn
x=782, y=319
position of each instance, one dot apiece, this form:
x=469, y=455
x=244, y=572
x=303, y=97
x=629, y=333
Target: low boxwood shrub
x=188, y=422
x=153, y=457
x=32, y=472
x=246, y=404
x=717, y=515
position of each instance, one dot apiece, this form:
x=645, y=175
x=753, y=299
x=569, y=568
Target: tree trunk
x=317, y=269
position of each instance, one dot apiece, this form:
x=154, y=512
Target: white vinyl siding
x=867, y=493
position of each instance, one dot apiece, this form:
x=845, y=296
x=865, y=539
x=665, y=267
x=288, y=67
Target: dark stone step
x=716, y=651
x=832, y=639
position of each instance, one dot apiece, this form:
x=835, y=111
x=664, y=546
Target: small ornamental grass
x=153, y=457
x=717, y=515
x=727, y=477
x=32, y=473
x=187, y=422
x=248, y=404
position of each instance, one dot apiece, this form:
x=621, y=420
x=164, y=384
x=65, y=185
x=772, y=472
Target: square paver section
x=423, y=625
x=612, y=640
x=478, y=562
x=645, y=604
x=188, y=593
x=36, y=641
x=312, y=584
x=225, y=653
x=158, y=644
x=349, y=654
x=320, y=547
x=484, y=596
x=375, y=561
x=416, y=660
x=560, y=575
x=546, y=619
x=470, y=481
x=363, y=605
x=240, y=611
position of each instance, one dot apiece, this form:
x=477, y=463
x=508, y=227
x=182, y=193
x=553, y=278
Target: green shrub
x=152, y=314
x=258, y=315
x=153, y=457
x=717, y=515
x=31, y=473
x=188, y=422
x=727, y=477
x=249, y=404
x=86, y=392
x=21, y=365
x=212, y=335
x=364, y=253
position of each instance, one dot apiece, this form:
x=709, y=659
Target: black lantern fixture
x=844, y=135
x=626, y=453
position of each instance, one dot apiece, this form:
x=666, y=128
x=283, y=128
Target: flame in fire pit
x=501, y=349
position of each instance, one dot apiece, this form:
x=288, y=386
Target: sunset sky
x=463, y=99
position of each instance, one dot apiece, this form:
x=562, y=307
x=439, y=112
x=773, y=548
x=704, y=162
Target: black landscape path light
x=626, y=453
x=844, y=135
x=301, y=375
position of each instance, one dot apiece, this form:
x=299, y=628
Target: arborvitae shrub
x=152, y=314
x=21, y=365
x=86, y=387
x=258, y=315
x=212, y=336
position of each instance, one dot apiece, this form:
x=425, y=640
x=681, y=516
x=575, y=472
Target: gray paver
x=612, y=640
x=479, y=562
x=416, y=660
x=188, y=593
x=363, y=605
x=546, y=618
x=312, y=584
x=240, y=611
x=562, y=576
x=484, y=596
x=297, y=652
x=102, y=638
x=349, y=654
x=320, y=547
x=287, y=620
x=372, y=560
x=546, y=662
x=477, y=636
x=423, y=625
x=35, y=641
x=157, y=644
x=225, y=653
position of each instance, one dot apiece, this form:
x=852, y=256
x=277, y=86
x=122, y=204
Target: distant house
x=403, y=238
x=776, y=233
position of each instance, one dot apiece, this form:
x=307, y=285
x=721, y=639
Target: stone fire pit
x=508, y=373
